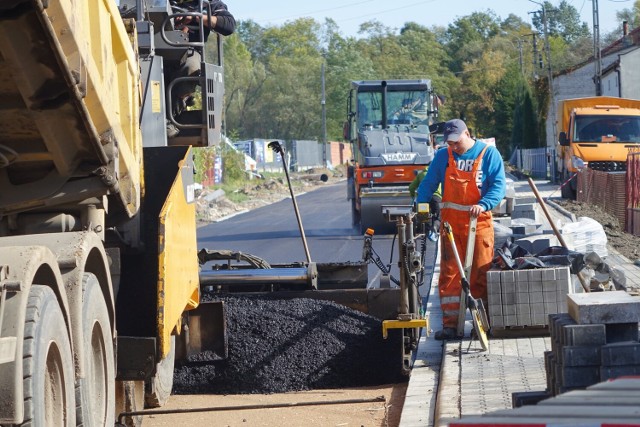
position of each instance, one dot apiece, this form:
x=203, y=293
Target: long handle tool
x=468, y=263
x=478, y=315
x=275, y=146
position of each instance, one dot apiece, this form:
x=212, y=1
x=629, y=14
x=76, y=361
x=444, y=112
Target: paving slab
x=604, y=307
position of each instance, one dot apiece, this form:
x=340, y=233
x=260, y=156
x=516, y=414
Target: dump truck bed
x=69, y=109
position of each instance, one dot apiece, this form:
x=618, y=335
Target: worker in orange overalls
x=473, y=182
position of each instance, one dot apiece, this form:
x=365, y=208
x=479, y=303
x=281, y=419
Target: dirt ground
x=625, y=243
x=321, y=412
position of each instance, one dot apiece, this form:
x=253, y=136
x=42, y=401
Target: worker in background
x=220, y=21
x=473, y=182
x=434, y=204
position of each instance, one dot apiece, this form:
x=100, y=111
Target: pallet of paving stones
x=520, y=301
x=596, y=341
x=593, y=368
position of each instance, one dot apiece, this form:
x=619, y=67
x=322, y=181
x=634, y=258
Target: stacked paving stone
x=596, y=341
x=526, y=298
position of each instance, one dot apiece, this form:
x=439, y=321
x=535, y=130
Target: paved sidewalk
x=444, y=373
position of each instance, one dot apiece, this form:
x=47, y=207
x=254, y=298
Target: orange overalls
x=459, y=194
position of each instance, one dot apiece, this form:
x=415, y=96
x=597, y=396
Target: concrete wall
x=629, y=76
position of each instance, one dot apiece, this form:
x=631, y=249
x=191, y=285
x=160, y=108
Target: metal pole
x=597, y=55
x=549, y=73
x=275, y=146
x=521, y=60
x=122, y=415
x=324, y=122
x=139, y=10
x=535, y=56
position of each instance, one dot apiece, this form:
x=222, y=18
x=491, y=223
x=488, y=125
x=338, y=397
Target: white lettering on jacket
x=467, y=166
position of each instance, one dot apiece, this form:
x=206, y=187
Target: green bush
x=232, y=163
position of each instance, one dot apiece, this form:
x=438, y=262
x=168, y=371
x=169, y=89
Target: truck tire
x=158, y=388
x=48, y=373
x=95, y=393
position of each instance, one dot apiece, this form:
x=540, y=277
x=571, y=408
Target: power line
x=300, y=15
x=360, y=16
x=385, y=11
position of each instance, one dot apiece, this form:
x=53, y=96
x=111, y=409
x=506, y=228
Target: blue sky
x=349, y=14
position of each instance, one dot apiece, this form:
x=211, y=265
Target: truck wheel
x=48, y=375
x=95, y=392
x=158, y=388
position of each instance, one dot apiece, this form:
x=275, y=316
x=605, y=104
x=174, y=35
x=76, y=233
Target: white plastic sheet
x=585, y=235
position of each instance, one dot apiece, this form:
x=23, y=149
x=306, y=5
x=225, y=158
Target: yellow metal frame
x=178, y=276
x=403, y=324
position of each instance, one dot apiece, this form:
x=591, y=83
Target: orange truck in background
x=595, y=132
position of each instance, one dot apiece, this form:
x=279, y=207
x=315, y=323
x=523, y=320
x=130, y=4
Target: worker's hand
x=476, y=210
x=182, y=22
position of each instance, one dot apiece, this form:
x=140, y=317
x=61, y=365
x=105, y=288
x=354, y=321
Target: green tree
x=631, y=15
x=525, y=126
x=244, y=79
x=467, y=37
x=345, y=62
x=562, y=21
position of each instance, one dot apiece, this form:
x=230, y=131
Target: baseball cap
x=453, y=129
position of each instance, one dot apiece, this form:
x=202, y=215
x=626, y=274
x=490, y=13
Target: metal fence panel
x=306, y=154
x=535, y=162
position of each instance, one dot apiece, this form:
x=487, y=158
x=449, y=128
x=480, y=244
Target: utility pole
x=597, y=54
x=536, y=60
x=520, y=52
x=552, y=99
x=324, y=122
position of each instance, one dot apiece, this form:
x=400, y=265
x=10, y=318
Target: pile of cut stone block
x=526, y=298
x=596, y=341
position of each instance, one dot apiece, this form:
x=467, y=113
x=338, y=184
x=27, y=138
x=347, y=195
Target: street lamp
x=519, y=41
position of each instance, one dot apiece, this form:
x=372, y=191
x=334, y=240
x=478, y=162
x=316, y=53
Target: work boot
x=447, y=334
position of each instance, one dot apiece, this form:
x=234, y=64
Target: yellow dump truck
x=597, y=133
x=97, y=218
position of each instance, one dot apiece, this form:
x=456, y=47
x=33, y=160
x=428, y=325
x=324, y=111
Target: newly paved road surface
x=271, y=232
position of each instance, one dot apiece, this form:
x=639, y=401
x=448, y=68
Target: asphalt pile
x=277, y=346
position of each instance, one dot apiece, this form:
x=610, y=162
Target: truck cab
x=597, y=133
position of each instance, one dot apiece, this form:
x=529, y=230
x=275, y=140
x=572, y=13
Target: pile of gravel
x=278, y=346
